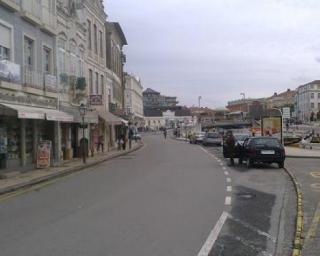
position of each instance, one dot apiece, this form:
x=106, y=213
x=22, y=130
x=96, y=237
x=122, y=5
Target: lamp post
x=244, y=102
x=199, y=101
x=83, y=111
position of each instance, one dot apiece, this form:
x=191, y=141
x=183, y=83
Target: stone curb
x=298, y=240
x=65, y=172
x=306, y=157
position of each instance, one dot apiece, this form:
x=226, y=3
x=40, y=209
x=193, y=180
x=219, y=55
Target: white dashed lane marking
x=229, y=188
x=213, y=236
x=226, y=173
x=229, y=180
x=228, y=200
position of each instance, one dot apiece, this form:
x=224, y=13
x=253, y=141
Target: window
x=101, y=44
x=95, y=38
x=5, y=42
x=89, y=34
x=318, y=95
x=312, y=105
x=102, y=84
x=62, y=55
x=80, y=62
x=318, y=106
x=47, y=60
x=73, y=58
x=28, y=53
x=97, y=83
x=4, y=53
x=312, y=95
x=90, y=81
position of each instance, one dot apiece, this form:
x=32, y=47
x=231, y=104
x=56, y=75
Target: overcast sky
x=220, y=48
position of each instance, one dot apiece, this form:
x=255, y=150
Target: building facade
x=53, y=58
x=307, y=101
x=133, y=98
x=153, y=99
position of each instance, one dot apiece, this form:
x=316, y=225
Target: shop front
x=21, y=130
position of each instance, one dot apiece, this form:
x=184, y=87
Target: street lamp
x=199, y=100
x=244, y=102
x=83, y=111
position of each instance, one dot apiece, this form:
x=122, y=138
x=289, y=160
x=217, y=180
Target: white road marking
x=213, y=236
x=229, y=180
x=221, y=164
x=227, y=200
x=226, y=173
x=224, y=168
x=229, y=188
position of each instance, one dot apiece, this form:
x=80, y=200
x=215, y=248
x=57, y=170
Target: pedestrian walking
x=100, y=143
x=165, y=133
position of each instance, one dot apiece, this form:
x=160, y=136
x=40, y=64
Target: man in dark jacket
x=230, y=142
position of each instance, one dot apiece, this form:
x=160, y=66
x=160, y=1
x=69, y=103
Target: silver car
x=212, y=138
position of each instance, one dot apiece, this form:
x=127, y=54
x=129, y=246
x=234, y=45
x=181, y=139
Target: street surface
x=168, y=198
x=307, y=172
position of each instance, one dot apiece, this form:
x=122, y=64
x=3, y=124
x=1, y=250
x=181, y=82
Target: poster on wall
x=44, y=154
x=3, y=141
x=272, y=126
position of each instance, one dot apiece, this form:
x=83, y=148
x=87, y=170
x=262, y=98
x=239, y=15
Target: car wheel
x=249, y=163
x=281, y=164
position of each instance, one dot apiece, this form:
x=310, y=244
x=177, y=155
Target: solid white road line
x=229, y=188
x=228, y=180
x=226, y=173
x=208, y=245
x=227, y=200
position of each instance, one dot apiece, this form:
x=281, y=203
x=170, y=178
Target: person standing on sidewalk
x=231, y=142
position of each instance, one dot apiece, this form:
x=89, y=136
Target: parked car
x=212, y=138
x=136, y=136
x=239, y=141
x=197, y=138
x=262, y=150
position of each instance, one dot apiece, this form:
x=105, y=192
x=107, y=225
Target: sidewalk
x=41, y=175
x=293, y=152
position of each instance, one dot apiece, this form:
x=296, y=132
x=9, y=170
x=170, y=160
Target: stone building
x=307, y=101
x=133, y=99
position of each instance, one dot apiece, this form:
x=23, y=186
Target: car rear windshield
x=213, y=135
x=241, y=137
x=266, y=142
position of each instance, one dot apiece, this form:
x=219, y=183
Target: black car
x=263, y=150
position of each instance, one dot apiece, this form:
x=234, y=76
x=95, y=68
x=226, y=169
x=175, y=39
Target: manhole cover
x=246, y=195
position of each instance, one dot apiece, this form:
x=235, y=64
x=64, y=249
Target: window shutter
x=5, y=38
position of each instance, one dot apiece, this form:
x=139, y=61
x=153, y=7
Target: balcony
x=33, y=78
x=31, y=11
x=12, y=5
x=49, y=21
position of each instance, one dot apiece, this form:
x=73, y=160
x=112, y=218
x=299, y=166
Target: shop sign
x=30, y=115
x=3, y=140
x=10, y=71
x=272, y=126
x=95, y=100
x=44, y=154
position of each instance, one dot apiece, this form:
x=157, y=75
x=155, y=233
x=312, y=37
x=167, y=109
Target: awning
x=27, y=112
x=24, y=112
x=91, y=117
x=109, y=117
x=56, y=115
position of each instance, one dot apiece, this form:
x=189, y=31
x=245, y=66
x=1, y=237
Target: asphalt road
x=161, y=200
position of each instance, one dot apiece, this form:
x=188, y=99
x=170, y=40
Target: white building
x=133, y=99
x=307, y=100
